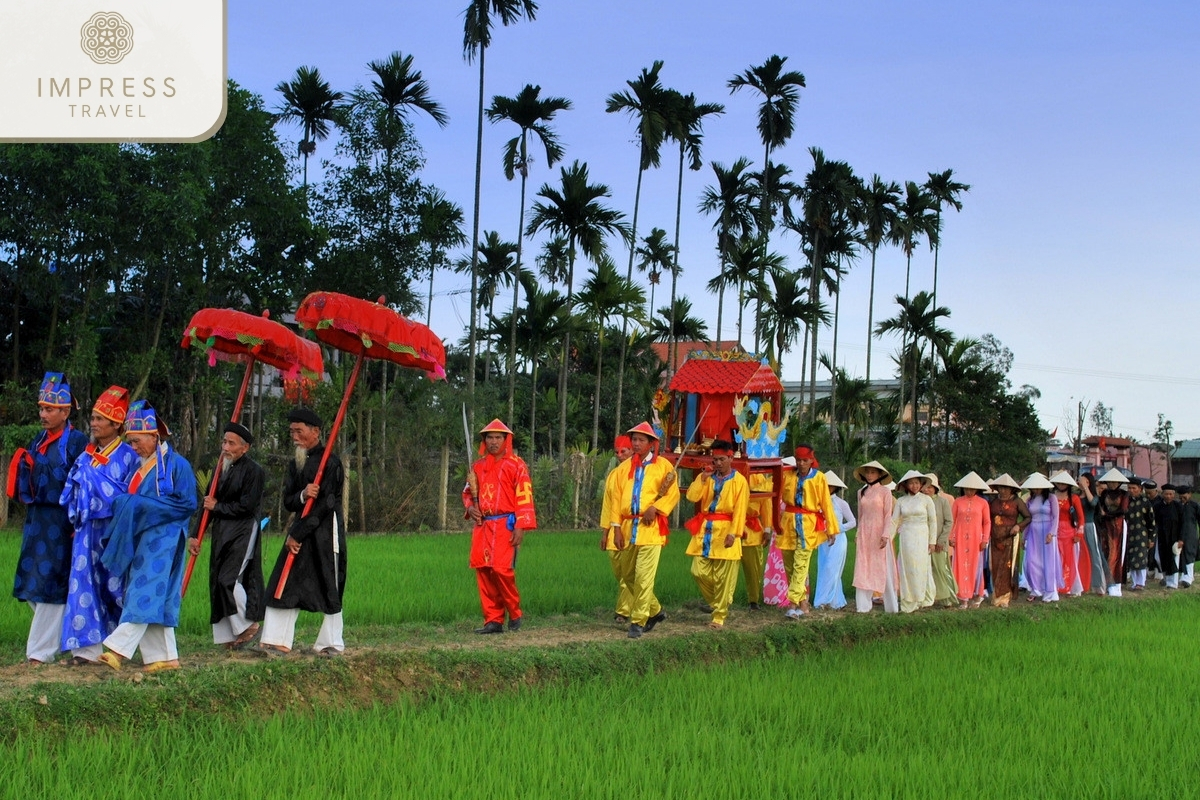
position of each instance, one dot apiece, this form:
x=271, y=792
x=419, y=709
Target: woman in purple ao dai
x=1043, y=564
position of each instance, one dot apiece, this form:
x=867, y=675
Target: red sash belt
x=13, y=467
x=801, y=510
x=660, y=521
x=696, y=523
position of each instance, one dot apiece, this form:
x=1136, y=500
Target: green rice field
x=1090, y=698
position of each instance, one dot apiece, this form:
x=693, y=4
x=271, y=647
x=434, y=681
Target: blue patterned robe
x=148, y=537
x=45, y=559
x=94, y=597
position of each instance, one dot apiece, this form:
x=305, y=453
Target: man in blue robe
x=99, y=476
x=36, y=478
x=147, y=545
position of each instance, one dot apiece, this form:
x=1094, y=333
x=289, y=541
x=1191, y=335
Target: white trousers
x=1172, y=581
x=864, y=598
x=279, y=629
x=1137, y=577
x=45, y=631
x=229, y=628
x=157, y=642
x=91, y=652
x=1186, y=574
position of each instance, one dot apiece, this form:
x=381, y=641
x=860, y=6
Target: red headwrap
x=622, y=442
x=807, y=454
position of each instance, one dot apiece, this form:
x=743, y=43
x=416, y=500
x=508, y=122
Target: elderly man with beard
x=36, y=477
x=235, y=584
x=98, y=477
x=318, y=542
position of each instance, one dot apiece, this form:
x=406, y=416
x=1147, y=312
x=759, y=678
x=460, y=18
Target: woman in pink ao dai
x=969, y=538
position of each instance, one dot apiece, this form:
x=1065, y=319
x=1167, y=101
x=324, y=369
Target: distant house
x=1128, y=456
x=1185, y=462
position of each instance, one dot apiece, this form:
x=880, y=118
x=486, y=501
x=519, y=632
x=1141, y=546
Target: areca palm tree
x=780, y=91
x=439, y=227
x=747, y=266
x=497, y=267
x=915, y=220
x=830, y=189
x=731, y=201
x=554, y=260
x=606, y=294
x=944, y=191
x=787, y=312
x=657, y=256
x=647, y=101
x=532, y=114
x=310, y=101
x=917, y=321
x=574, y=211
x=478, y=19
x=541, y=324
x=685, y=124
x=675, y=322
x=876, y=214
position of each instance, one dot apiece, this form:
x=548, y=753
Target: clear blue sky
x=1074, y=122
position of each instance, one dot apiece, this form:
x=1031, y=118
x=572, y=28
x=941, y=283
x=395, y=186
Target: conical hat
x=972, y=481
x=1004, y=480
x=1113, y=476
x=833, y=480
x=884, y=475
x=496, y=426
x=913, y=473
x=643, y=428
x=789, y=462
x=933, y=478
x=890, y=486
x=1064, y=477
x=1037, y=480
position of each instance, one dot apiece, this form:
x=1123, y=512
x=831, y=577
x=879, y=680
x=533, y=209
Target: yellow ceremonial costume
x=757, y=538
x=621, y=561
x=723, y=504
x=805, y=498
x=634, y=486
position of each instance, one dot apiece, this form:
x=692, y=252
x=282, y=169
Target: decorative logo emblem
x=106, y=37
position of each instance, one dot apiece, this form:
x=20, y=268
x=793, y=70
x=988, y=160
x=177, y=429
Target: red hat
x=496, y=426
x=113, y=404
x=644, y=429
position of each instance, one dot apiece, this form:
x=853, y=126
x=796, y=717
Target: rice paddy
x=1087, y=699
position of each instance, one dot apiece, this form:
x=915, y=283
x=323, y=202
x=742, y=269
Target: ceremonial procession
x=542, y=399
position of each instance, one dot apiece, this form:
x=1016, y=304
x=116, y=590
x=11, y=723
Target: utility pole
x=1079, y=427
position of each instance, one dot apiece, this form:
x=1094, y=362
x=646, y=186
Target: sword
x=472, y=480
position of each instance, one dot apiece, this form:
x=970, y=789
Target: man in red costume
x=499, y=500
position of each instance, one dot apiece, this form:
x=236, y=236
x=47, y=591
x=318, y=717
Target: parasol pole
x=212, y=484
x=333, y=434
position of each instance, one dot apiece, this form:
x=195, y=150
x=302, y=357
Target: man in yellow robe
x=760, y=526
x=808, y=521
x=622, y=451
x=637, y=502
x=717, y=530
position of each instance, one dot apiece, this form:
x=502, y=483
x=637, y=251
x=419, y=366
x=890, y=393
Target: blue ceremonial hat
x=55, y=391
x=142, y=418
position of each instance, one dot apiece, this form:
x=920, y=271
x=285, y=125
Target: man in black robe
x=235, y=584
x=316, y=540
x=1189, y=534
x=1168, y=518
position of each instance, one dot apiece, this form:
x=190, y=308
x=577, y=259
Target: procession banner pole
x=333, y=434
x=212, y=484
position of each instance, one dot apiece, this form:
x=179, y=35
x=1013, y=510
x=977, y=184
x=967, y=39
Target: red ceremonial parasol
x=229, y=335
x=366, y=330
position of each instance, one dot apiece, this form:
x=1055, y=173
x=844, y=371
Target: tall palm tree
x=478, y=19
x=780, y=92
x=310, y=101
x=747, y=266
x=541, y=324
x=554, y=260
x=915, y=220
x=675, y=322
x=685, y=124
x=574, y=211
x=787, y=312
x=606, y=294
x=396, y=89
x=647, y=102
x=945, y=191
x=497, y=268
x=876, y=214
x=731, y=201
x=532, y=114
x=439, y=227
x=917, y=321
x=830, y=189
x=657, y=256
